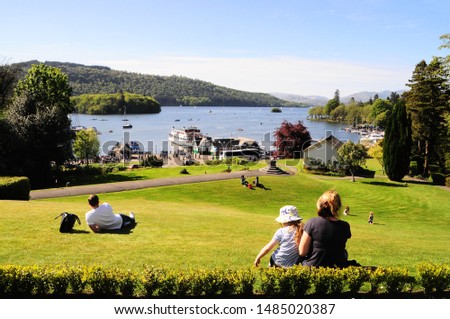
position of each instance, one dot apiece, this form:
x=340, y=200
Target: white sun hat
x=288, y=214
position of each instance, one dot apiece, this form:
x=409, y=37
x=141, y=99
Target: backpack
x=67, y=222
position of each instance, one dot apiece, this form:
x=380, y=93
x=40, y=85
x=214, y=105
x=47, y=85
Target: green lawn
x=222, y=224
x=153, y=173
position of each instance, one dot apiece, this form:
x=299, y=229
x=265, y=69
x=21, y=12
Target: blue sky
x=300, y=47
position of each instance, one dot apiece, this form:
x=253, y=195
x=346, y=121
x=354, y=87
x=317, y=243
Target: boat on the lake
x=127, y=125
x=185, y=137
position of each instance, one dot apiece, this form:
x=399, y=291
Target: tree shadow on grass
x=377, y=183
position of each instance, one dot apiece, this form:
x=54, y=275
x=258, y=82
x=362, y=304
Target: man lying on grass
x=101, y=217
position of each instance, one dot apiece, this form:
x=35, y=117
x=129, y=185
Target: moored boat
x=185, y=137
x=127, y=125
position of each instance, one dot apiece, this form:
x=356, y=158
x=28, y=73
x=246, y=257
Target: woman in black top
x=324, y=237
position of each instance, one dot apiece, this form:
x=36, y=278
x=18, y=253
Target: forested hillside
x=167, y=90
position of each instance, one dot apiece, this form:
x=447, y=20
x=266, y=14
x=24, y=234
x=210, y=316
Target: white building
x=324, y=152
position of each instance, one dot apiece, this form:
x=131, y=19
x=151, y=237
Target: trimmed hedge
x=63, y=281
x=17, y=188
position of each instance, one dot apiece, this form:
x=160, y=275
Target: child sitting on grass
x=288, y=238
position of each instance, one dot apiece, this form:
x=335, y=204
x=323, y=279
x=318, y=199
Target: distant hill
x=366, y=96
x=167, y=90
x=309, y=100
x=315, y=100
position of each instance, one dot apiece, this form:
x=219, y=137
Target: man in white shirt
x=101, y=217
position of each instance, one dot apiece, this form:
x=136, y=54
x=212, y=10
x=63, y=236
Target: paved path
x=132, y=185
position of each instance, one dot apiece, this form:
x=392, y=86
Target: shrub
x=297, y=281
x=126, y=282
x=434, y=278
x=16, y=281
x=76, y=279
x=184, y=171
x=102, y=281
x=269, y=284
x=150, y=280
x=327, y=280
x=152, y=161
x=355, y=278
x=393, y=280
x=59, y=280
x=438, y=178
x=16, y=188
x=208, y=282
x=244, y=280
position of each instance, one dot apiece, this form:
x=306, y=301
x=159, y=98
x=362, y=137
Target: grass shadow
x=123, y=231
x=378, y=183
x=79, y=231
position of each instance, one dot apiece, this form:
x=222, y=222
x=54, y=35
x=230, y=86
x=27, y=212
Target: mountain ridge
x=317, y=100
x=180, y=90
x=167, y=90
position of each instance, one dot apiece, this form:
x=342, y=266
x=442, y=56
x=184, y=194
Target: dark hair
x=93, y=200
x=325, y=210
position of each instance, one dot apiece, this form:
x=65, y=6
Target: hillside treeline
x=116, y=103
x=167, y=90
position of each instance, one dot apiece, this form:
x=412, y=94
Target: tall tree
x=393, y=97
x=38, y=115
x=333, y=103
x=379, y=110
x=427, y=102
x=86, y=145
x=9, y=75
x=446, y=45
x=292, y=139
x=353, y=156
x=397, y=143
x=446, y=60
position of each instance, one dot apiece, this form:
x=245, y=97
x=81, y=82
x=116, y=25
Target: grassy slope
x=222, y=224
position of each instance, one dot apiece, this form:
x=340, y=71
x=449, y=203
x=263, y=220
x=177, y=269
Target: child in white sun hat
x=287, y=237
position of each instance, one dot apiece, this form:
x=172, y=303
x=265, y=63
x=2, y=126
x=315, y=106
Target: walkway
x=133, y=185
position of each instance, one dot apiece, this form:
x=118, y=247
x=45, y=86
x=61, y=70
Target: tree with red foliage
x=291, y=139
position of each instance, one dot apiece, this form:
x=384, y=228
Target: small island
x=276, y=110
x=104, y=104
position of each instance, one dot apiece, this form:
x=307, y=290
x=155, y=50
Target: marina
x=151, y=131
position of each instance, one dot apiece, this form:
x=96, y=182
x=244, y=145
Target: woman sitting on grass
x=288, y=238
x=324, y=237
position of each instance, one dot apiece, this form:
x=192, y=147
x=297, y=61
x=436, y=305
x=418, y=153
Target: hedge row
x=17, y=188
x=63, y=281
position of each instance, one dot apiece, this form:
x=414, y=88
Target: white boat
x=371, y=138
x=127, y=125
x=185, y=137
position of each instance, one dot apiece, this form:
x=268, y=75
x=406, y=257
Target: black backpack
x=67, y=222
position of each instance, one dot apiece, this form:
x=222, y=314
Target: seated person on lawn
x=101, y=217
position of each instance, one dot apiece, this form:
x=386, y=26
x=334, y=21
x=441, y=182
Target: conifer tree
x=397, y=143
x=427, y=103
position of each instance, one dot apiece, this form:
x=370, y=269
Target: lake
x=152, y=130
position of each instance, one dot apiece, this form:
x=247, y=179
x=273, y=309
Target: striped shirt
x=286, y=255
